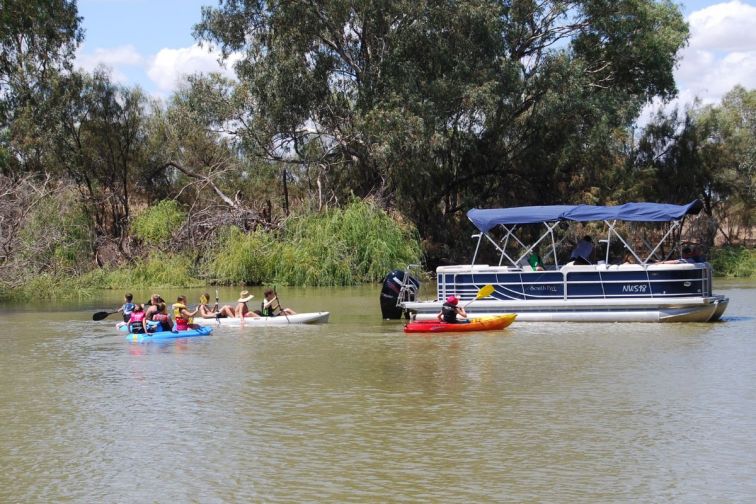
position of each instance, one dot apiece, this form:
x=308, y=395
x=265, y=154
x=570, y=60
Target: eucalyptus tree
x=99, y=142
x=706, y=152
x=439, y=106
x=38, y=39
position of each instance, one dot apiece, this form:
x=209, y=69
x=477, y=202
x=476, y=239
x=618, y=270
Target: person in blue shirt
x=583, y=251
x=127, y=307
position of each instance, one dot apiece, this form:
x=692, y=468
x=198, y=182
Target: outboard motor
x=398, y=286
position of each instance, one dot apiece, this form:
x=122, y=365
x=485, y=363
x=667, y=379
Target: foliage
x=37, y=41
x=707, y=152
x=437, y=107
x=55, y=238
x=733, y=261
x=340, y=247
x=156, y=224
x=158, y=270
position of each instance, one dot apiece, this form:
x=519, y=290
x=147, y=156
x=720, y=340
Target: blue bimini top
x=487, y=219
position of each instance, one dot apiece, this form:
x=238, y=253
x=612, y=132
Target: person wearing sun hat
x=242, y=310
x=450, y=311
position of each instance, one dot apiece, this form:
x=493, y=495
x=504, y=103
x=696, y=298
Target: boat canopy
x=487, y=219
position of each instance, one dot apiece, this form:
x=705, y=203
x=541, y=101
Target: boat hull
x=591, y=293
x=299, y=318
x=168, y=335
x=487, y=323
x=581, y=310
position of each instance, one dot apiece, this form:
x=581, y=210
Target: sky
x=150, y=43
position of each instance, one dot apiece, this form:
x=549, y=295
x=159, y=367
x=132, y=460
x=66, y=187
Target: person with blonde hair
x=215, y=312
x=182, y=315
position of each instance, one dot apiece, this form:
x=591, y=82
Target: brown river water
x=357, y=411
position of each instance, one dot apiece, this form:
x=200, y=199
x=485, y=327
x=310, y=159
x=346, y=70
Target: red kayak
x=477, y=324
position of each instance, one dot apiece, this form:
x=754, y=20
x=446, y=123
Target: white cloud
x=727, y=26
x=169, y=65
x=114, y=58
x=722, y=51
x=721, y=55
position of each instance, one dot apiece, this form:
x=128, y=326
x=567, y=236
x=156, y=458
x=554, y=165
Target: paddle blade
x=485, y=291
x=101, y=315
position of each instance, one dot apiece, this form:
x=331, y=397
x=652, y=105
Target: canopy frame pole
x=673, y=227
x=553, y=243
x=505, y=239
x=528, y=250
x=501, y=250
x=477, y=246
x=620, y=238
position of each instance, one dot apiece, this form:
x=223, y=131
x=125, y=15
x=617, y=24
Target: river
x=357, y=411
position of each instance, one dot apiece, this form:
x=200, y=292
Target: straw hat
x=244, y=296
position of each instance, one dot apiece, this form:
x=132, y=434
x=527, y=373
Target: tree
x=100, y=144
x=439, y=106
x=37, y=41
x=705, y=152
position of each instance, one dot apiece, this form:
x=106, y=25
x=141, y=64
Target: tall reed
x=359, y=243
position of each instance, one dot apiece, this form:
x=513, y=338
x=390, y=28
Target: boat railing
x=514, y=283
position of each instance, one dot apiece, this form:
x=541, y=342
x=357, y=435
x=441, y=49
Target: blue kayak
x=164, y=335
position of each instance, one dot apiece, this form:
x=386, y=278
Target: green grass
x=359, y=243
x=733, y=261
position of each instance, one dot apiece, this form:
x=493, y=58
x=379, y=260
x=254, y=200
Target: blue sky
x=150, y=43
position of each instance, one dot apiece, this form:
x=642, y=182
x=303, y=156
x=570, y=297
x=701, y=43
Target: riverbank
x=357, y=244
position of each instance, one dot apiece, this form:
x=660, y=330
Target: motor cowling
x=398, y=286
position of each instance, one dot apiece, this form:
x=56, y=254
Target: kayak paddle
x=275, y=294
x=102, y=315
x=484, y=291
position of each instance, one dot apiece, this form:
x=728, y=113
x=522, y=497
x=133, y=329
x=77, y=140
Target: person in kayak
x=182, y=315
x=242, y=310
x=127, y=307
x=151, y=306
x=271, y=307
x=215, y=312
x=161, y=320
x=450, y=311
x=137, y=321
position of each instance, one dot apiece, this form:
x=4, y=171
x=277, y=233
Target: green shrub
x=56, y=237
x=733, y=261
x=359, y=243
x=158, y=270
x=156, y=224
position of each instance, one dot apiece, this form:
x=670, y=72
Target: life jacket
x=182, y=323
x=269, y=311
x=128, y=308
x=449, y=313
x=135, y=322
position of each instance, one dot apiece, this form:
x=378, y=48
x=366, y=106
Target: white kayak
x=299, y=318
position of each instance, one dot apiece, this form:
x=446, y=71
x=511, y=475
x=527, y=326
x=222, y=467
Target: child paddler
x=182, y=315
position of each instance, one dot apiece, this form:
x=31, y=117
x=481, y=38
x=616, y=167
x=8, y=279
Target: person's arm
x=461, y=312
x=440, y=316
x=238, y=312
x=267, y=303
